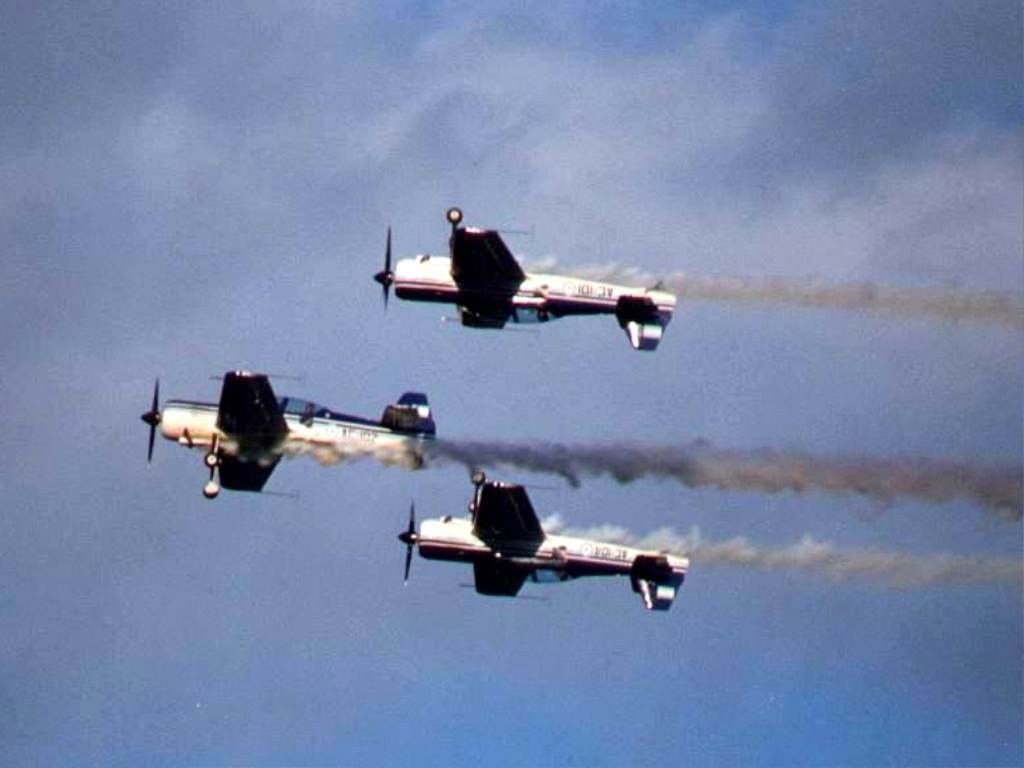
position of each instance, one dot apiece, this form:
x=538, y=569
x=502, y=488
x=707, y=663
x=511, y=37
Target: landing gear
x=212, y=461
x=454, y=216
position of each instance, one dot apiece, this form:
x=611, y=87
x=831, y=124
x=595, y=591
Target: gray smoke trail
x=821, y=558
x=998, y=488
x=994, y=307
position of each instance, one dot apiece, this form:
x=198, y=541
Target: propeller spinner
x=152, y=417
x=386, y=277
x=409, y=538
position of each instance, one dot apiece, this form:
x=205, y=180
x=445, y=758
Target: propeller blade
x=409, y=537
x=387, y=271
x=385, y=277
x=152, y=417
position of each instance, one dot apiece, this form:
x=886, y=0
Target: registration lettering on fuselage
x=343, y=431
x=590, y=290
x=605, y=551
x=608, y=552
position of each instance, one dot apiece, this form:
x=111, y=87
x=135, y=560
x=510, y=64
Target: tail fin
x=656, y=581
x=410, y=414
x=642, y=320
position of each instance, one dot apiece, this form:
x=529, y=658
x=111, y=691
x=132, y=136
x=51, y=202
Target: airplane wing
x=493, y=577
x=480, y=257
x=238, y=475
x=505, y=512
x=248, y=409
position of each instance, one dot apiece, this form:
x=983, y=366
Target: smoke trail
x=995, y=307
x=898, y=569
x=406, y=456
x=998, y=488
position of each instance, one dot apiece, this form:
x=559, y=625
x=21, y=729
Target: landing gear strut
x=212, y=461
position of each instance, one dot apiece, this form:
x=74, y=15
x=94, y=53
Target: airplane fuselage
x=537, y=298
x=194, y=425
x=563, y=557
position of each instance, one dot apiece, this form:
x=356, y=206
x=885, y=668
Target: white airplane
x=246, y=434
x=506, y=545
x=482, y=278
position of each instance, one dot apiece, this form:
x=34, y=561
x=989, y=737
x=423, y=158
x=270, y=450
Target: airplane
x=246, y=434
x=506, y=545
x=482, y=278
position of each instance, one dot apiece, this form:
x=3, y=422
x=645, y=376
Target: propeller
x=409, y=538
x=386, y=277
x=152, y=417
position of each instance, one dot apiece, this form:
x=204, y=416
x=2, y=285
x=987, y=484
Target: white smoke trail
x=406, y=456
x=820, y=558
x=998, y=488
x=995, y=307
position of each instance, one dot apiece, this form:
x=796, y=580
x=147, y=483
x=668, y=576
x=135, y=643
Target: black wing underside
x=504, y=513
x=249, y=411
x=493, y=577
x=481, y=258
x=238, y=475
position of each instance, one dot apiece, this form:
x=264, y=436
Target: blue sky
x=190, y=190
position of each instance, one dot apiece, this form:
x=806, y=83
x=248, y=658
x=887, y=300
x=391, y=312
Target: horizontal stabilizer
x=640, y=309
x=410, y=414
x=642, y=321
x=656, y=597
x=644, y=336
x=657, y=582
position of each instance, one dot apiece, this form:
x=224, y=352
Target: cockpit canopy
x=304, y=408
